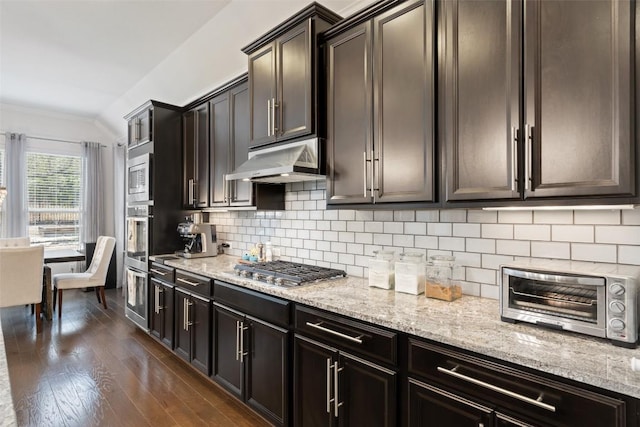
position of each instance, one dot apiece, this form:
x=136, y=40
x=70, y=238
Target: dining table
x=52, y=256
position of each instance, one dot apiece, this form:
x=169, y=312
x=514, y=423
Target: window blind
x=54, y=199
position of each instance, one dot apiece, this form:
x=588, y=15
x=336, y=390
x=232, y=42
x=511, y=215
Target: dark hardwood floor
x=95, y=368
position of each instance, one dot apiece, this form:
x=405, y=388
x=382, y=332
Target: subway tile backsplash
x=480, y=240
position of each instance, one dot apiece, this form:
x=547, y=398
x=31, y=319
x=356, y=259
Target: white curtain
x=16, y=177
x=119, y=213
x=93, y=192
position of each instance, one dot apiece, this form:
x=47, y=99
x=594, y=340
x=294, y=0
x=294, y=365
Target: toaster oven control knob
x=616, y=289
x=616, y=324
x=617, y=307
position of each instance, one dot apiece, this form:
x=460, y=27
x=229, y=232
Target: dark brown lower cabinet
x=447, y=387
x=251, y=360
x=161, y=319
x=193, y=329
x=335, y=388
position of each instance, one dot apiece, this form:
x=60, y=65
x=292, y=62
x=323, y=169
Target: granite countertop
x=7, y=412
x=469, y=323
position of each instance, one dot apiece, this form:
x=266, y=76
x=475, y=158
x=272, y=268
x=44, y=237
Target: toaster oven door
x=561, y=301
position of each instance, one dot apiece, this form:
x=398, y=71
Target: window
x=54, y=199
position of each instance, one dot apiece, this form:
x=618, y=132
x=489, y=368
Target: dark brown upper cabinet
x=229, y=146
x=282, y=77
x=140, y=128
x=195, y=140
x=380, y=115
x=537, y=103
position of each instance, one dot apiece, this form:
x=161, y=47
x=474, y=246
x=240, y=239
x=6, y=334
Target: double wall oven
x=139, y=226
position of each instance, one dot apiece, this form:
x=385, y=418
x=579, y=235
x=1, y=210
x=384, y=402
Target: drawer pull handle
x=162, y=273
x=357, y=339
x=187, y=282
x=536, y=402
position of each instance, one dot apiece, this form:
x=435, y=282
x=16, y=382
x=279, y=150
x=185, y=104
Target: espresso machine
x=200, y=240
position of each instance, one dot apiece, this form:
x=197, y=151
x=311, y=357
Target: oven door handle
x=554, y=278
x=536, y=402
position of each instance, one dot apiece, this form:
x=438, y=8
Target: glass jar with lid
x=410, y=273
x=441, y=274
x=381, y=269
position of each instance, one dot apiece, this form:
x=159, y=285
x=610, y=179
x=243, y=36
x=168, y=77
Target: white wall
x=47, y=124
x=212, y=56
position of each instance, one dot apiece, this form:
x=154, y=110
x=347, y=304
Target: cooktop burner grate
x=286, y=273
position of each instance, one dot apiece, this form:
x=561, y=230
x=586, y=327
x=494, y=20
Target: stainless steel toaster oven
x=590, y=298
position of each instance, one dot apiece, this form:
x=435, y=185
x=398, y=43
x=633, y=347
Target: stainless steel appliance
x=139, y=218
x=136, y=297
x=286, y=273
x=590, y=298
x=200, y=240
x=139, y=179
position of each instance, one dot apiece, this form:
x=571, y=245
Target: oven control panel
x=622, y=310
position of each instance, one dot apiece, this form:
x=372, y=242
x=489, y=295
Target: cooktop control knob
x=237, y=271
x=616, y=289
x=617, y=307
x=270, y=280
x=244, y=273
x=279, y=281
x=616, y=324
x=256, y=276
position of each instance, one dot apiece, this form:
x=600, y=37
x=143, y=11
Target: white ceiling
x=101, y=58
x=78, y=57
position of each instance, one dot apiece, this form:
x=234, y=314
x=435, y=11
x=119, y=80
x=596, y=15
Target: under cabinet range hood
x=291, y=162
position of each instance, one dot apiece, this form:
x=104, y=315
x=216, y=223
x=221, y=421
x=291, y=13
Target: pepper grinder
x=260, y=247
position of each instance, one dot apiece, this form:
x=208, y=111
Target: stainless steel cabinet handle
x=191, y=192
x=138, y=129
x=514, y=158
x=375, y=186
x=268, y=117
x=237, y=340
x=528, y=135
x=184, y=315
x=357, y=339
x=329, y=399
x=187, y=282
x=274, y=105
x=189, y=322
x=225, y=188
x=162, y=273
x=157, y=297
x=536, y=402
x=336, y=400
x=364, y=174
x=242, y=352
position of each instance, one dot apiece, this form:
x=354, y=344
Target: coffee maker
x=200, y=240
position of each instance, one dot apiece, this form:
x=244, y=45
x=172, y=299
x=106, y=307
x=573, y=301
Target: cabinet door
x=349, y=131
x=189, y=158
x=294, y=77
x=131, y=132
x=202, y=156
x=267, y=370
x=312, y=383
x=578, y=87
x=156, y=321
x=166, y=308
x=145, y=123
x=480, y=102
x=219, y=150
x=240, y=191
x=403, y=113
x=262, y=92
x=199, y=323
x=432, y=407
x=182, y=335
x=227, y=362
x=367, y=393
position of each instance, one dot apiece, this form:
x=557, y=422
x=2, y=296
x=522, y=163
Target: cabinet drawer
x=512, y=390
x=265, y=307
x=193, y=283
x=346, y=334
x=162, y=272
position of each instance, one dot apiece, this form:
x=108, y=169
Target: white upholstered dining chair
x=14, y=242
x=21, y=277
x=95, y=276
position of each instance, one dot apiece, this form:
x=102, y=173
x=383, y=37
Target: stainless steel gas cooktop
x=286, y=273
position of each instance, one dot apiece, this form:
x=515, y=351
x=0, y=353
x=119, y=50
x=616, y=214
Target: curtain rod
x=42, y=138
